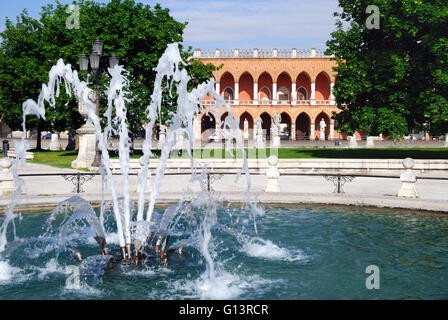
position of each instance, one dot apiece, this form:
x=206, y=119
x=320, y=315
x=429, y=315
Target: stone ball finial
x=408, y=163
x=5, y=163
x=273, y=161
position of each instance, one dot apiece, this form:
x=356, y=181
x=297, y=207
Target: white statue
x=322, y=126
x=246, y=129
x=259, y=124
x=276, y=121
x=259, y=143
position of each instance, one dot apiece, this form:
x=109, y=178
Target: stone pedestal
x=408, y=180
x=87, y=143
x=180, y=140
x=272, y=174
x=148, y=178
x=55, y=145
x=259, y=143
x=162, y=138
x=322, y=135
x=352, y=143
x=6, y=178
x=312, y=131
x=370, y=142
x=275, y=140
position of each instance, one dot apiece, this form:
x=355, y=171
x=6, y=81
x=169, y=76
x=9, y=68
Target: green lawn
x=59, y=159
x=63, y=159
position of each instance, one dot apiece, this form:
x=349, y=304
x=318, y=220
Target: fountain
x=199, y=248
x=143, y=231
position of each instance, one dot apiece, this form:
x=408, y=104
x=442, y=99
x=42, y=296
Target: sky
x=229, y=24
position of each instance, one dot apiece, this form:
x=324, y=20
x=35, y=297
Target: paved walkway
x=47, y=191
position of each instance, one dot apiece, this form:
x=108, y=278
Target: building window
x=302, y=94
x=283, y=94
x=264, y=94
x=228, y=94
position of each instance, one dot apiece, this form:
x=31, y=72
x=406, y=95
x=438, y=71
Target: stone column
x=408, y=180
x=312, y=131
x=294, y=92
x=255, y=92
x=197, y=128
x=55, y=145
x=293, y=131
x=446, y=140
x=272, y=174
x=313, y=93
x=331, y=136
x=162, y=137
x=331, y=93
x=6, y=178
x=274, y=93
x=218, y=88
x=236, y=93
x=370, y=142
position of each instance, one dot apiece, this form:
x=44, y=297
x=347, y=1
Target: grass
x=63, y=159
x=59, y=159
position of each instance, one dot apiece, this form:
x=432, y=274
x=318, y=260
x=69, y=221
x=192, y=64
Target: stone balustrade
x=392, y=167
x=259, y=53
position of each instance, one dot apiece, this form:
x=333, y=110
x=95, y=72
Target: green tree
x=137, y=33
x=394, y=78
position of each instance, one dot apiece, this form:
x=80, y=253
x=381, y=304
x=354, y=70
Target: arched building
x=297, y=84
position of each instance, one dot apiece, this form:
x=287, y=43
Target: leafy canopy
x=392, y=79
x=137, y=33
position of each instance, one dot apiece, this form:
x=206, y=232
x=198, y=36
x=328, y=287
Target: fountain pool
x=298, y=253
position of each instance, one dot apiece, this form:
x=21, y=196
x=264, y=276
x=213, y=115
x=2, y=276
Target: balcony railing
x=259, y=53
x=274, y=102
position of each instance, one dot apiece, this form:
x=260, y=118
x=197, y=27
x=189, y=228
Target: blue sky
x=229, y=24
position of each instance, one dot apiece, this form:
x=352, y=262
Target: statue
x=259, y=135
x=276, y=121
x=246, y=129
x=86, y=135
x=322, y=126
x=259, y=123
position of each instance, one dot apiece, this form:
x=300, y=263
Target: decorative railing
x=259, y=53
x=274, y=102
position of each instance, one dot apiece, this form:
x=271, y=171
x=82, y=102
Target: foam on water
x=7, y=272
x=259, y=248
x=52, y=266
x=225, y=286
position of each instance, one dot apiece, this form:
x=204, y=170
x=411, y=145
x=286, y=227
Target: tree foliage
x=392, y=79
x=137, y=33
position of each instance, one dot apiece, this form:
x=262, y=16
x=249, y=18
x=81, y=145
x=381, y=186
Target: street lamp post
x=95, y=59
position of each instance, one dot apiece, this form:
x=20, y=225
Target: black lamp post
x=95, y=59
